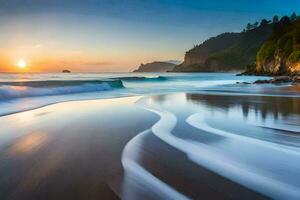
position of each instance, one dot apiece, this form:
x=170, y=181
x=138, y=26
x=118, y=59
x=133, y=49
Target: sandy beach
x=69, y=150
x=154, y=147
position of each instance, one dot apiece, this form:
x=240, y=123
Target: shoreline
x=75, y=100
x=204, y=92
x=59, y=150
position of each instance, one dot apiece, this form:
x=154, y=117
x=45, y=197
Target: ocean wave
x=12, y=90
x=143, y=78
x=61, y=83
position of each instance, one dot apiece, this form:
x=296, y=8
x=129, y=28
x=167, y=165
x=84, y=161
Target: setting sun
x=21, y=64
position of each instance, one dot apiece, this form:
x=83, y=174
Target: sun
x=21, y=64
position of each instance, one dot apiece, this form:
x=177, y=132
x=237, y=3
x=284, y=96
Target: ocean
x=20, y=92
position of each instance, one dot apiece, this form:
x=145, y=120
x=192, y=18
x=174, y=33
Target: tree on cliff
x=282, y=47
x=281, y=26
x=275, y=19
x=264, y=22
x=248, y=27
x=251, y=26
x=293, y=16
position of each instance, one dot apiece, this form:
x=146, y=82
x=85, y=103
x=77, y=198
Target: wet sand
x=68, y=150
x=176, y=146
x=221, y=147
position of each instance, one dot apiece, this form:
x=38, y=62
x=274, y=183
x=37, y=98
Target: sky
x=117, y=35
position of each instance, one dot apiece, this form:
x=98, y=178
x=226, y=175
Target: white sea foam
x=198, y=121
x=210, y=157
x=142, y=176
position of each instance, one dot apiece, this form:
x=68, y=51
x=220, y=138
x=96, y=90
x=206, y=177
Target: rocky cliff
x=226, y=52
x=280, y=54
x=156, y=67
x=200, y=53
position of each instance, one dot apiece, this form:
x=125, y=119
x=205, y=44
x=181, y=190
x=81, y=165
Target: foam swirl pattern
x=259, y=151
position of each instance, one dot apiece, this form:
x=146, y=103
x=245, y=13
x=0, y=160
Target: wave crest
x=143, y=78
x=11, y=90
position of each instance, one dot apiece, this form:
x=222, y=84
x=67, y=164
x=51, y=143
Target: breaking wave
x=143, y=78
x=12, y=90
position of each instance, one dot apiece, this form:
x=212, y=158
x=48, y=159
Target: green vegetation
x=243, y=52
x=267, y=50
x=228, y=51
x=282, y=48
x=294, y=57
x=268, y=44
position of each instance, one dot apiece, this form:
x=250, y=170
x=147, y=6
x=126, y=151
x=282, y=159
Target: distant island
x=157, y=66
x=271, y=47
x=66, y=71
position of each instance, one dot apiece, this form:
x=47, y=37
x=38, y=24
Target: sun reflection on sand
x=24, y=118
x=28, y=143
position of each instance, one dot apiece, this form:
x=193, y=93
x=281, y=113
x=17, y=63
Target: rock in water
x=280, y=79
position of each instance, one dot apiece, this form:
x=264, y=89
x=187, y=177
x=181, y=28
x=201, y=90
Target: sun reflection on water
x=28, y=143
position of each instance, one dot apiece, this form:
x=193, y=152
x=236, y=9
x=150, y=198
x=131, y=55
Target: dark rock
x=277, y=80
x=296, y=79
x=66, y=71
x=262, y=81
x=281, y=79
x=243, y=83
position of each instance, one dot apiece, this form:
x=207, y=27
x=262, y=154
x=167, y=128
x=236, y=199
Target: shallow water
x=252, y=141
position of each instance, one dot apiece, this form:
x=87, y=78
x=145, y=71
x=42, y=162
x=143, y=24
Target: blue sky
x=118, y=35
